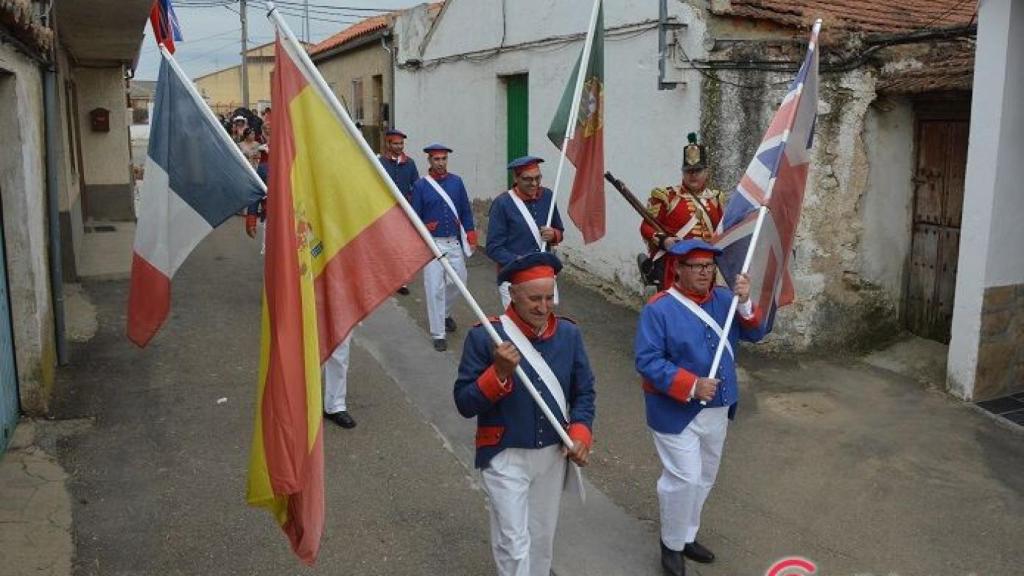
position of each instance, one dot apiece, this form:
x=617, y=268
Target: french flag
x=767, y=201
x=195, y=180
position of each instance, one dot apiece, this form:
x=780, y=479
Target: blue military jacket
x=673, y=347
x=508, y=235
x=402, y=171
x=507, y=417
x=434, y=211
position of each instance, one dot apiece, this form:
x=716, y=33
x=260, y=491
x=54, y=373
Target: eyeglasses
x=705, y=267
x=531, y=179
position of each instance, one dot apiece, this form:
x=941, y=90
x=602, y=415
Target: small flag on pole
x=195, y=179
x=164, y=22
x=586, y=147
x=775, y=182
x=338, y=245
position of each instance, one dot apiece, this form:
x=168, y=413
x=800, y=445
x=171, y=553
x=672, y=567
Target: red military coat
x=674, y=209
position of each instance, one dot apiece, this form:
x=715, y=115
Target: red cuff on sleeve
x=581, y=432
x=491, y=387
x=682, y=385
x=250, y=222
x=752, y=321
x=471, y=238
x=431, y=225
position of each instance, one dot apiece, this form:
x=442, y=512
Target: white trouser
x=690, y=462
x=440, y=293
x=506, y=296
x=336, y=378
x=525, y=489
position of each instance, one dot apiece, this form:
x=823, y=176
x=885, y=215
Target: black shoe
x=672, y=561
x=698, y=553
x=341, y=419
x=403, y=290
x=450, y=325
x=440, y=344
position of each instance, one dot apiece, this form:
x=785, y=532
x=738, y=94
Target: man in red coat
x=690, y=210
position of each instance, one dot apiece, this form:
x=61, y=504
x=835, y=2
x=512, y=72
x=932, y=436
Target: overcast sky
x=212, y=31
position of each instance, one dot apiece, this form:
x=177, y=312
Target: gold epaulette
x=661, y=194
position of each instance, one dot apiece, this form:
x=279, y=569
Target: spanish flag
x=338, y=244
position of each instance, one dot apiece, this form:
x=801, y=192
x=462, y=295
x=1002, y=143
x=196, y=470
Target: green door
x=517, y=105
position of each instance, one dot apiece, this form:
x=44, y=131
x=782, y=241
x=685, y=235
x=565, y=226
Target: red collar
x=437, y=176
x=528, y=330
x=397, y=159
x=698, y=298
x=526, y=198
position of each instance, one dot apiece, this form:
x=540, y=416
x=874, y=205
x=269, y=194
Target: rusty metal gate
x=938, y=204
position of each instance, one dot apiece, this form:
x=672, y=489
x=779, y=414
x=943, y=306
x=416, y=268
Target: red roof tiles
x=363, y=28
x=855, y=15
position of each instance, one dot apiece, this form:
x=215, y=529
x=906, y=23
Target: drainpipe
x=51, y=115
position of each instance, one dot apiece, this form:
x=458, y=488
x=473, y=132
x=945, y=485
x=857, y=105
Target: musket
x=632, y=200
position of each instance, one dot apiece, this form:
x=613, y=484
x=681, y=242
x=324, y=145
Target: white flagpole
x=762, y=212
x=312, y=75
x=574, y=110
x=221, y=133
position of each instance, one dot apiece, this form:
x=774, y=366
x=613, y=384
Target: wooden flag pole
x=574, y=111
x=312, y=75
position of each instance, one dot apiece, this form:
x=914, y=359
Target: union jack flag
x=773, y=185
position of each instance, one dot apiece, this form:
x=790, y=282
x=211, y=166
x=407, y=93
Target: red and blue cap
x=694, y=248
x=437, y=148
x=530, y=267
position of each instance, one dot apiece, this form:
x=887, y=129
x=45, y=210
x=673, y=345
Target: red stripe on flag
x=149, y=301
x=586, y=202
x=752, y=188
x=358, y=278
x=305, y=524
x=783, y=119
x=291, y=465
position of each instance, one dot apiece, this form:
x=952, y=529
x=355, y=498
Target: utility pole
x=245, y=60
x=305, y=28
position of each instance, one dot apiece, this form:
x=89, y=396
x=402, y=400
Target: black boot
x=672, y=561
x=698, y=553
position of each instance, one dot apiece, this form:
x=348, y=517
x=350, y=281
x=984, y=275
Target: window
x=357, y=100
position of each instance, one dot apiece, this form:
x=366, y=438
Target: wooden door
x=935, y=245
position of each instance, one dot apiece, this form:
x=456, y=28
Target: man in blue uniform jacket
x=522, y=461
x=399, y=167
x=441, y=201
x=688, y=412
x=518, y=221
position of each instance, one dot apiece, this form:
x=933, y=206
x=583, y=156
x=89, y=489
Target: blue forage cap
x=523, y=161
x=684, y=247
x=437, y=148
x=393, y=132
x=531, y=261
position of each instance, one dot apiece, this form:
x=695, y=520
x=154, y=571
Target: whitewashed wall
x=462, y=104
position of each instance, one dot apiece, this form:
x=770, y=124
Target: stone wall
x=838, y=305
x=1001, y=347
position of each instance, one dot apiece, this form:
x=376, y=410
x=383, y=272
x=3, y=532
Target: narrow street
x=857, y=468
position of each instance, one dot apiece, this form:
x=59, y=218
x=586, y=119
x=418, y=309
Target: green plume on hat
x=692, y=137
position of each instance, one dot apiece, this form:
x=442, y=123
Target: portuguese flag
x=338, y=244
x=585, y=149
